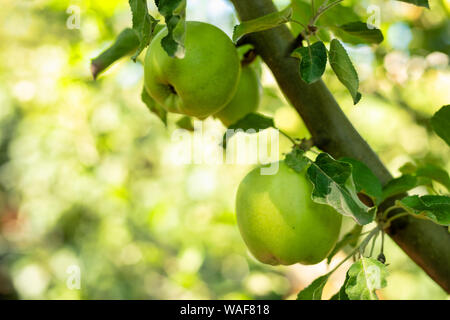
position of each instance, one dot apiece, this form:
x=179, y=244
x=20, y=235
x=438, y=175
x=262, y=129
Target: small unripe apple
x=201, y=83
x=245, y=100
x=279, y=221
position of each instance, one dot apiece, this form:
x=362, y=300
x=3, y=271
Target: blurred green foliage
x=85, y=178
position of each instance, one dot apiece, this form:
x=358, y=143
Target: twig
x=322, y=9
x=387, y=224
x=287, y=136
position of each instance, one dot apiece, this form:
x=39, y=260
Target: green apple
x=245, y=100
x=201, y=83
x=279, y=221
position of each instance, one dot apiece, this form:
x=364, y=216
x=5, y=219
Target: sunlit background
x=85, y=180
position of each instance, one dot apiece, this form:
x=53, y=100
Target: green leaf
x=435, y=173
x=252, y=121
x=174, y=12
x=440, y=123
x=431, y=207
x=266, y=22
x=359, y=33
x=296, y=160
x=313, y=61
x=341, y=295
x=399, y=185
x=365, y=179
x=333, y=185
x=125, y=43
x=428, y=171
x=343, y=68
x=420, y=3
x=336, y=15
x=314, y=290
x=154, y=107
x=408, y=168
x=185, y=123
x=364, y=277
x=143, y=24
x=348, y=239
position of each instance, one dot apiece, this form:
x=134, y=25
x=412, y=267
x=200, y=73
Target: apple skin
x=201, y=83
x=279, y=221
x=245, y=100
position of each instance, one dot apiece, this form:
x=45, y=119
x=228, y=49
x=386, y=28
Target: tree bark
x=426, y=243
